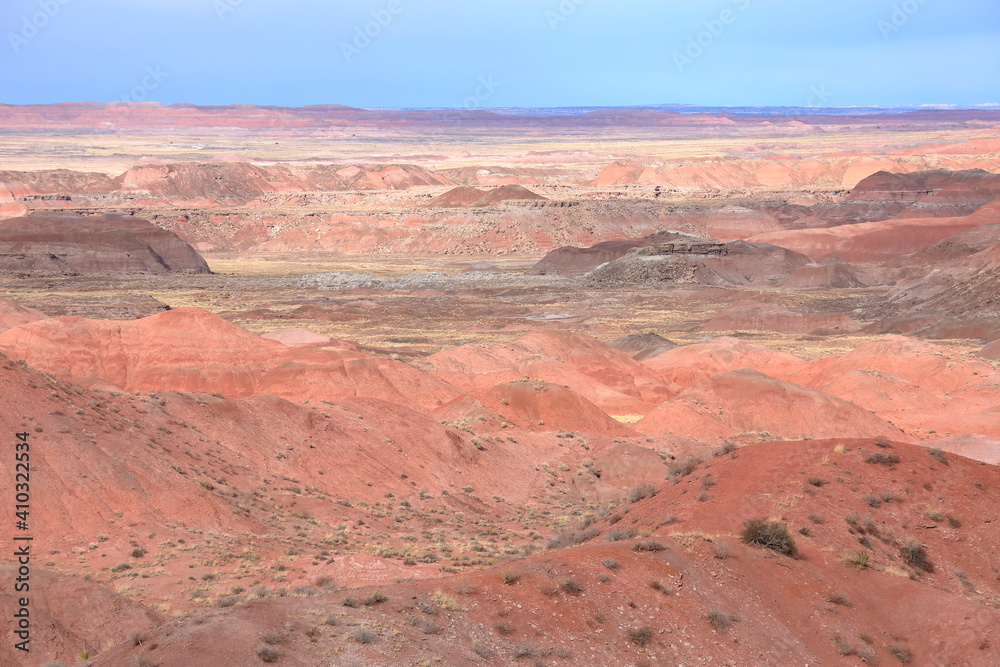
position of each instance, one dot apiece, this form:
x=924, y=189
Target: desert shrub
x=349, y=602
x=915, y=555
x=511, y=577
x=954, y=522
x=839, y=599
x=816, y=518
x=641, y=492
x=465, y=587
x=365, y=636
x=571, y=587
x=859, y=560
x=881, y=458
x=446, y=602
x=938, y=455
x=721, y=551
x=377, y=597
x=901, y=653
x=227, y=601
x=258, y=592
x=770, y=535
x=570, y=538
x=883, y=443
x=616, y=534
x=121, y=567
x=525, y=651
x=480, y=649
x=648, y=545
x=818, y=481
x=271, y=637
x=843, y=646
x=805, y=531
x=504, y=629
x=641, y=636
x=868, y=656
x=267, y=654
x=728, y=448
x=684, y=468
x=873, y=500
x=720, y=621
x=611, y=564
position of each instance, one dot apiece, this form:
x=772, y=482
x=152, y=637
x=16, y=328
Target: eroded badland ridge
x=335, y=386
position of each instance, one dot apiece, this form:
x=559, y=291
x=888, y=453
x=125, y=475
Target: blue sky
x=502, y=52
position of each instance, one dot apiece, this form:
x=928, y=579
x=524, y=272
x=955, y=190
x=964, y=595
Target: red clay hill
x=470, y=197
x=887, y=558
x=70, y=243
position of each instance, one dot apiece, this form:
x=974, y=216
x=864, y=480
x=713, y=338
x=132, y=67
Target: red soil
x=748, y=402
x=690, y=364
x=14, y=315
x=610, y=379
x=540, y=406
x=805, y=609
x=179, y=350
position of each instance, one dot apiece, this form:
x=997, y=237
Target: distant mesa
x=110, y=243
x=573, y=261
x=968, y=186
x=469, y=197
x=699, y=262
